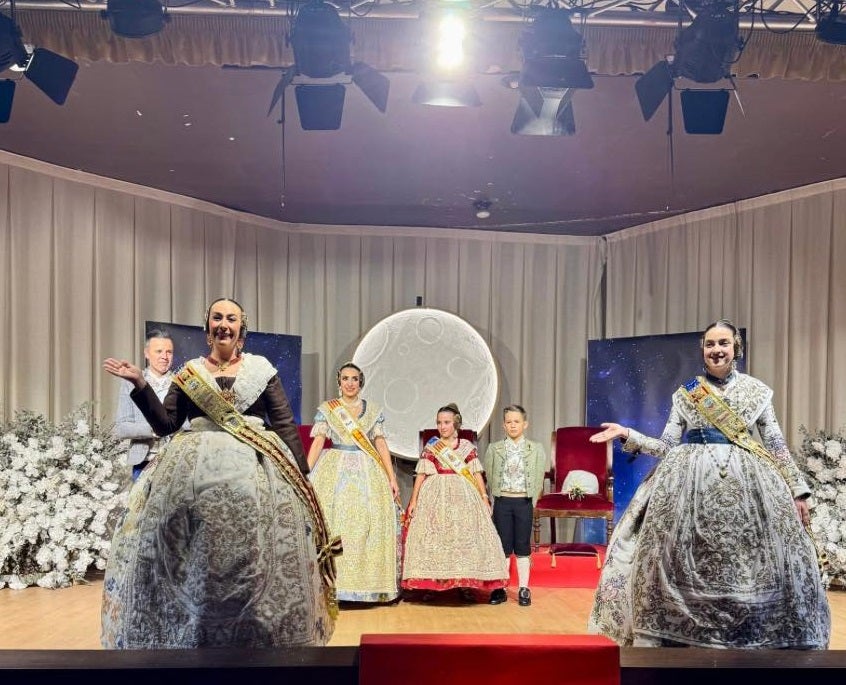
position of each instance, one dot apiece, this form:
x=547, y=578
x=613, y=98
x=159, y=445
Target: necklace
x=222, y=366
x=722, y=464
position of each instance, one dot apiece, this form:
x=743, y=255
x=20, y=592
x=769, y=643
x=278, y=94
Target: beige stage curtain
x=87, y=260
x=385, y=44
x=772, y=265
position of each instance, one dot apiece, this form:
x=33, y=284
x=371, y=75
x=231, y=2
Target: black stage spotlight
x=707, y=48
x=831, y=25
x=135, y=18
x=12, y=50
x=52, y=74
x=553, y=67
x=323, y=68
x=704, y=53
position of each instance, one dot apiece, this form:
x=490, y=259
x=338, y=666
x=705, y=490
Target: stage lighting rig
x=51, y=73
x=704, y=53
x=553, y=67
x=323, y=68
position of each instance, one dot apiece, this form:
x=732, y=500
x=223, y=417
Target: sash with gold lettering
x=208, y=398
x=723, y=418
x=348, y=428
x=450, y=459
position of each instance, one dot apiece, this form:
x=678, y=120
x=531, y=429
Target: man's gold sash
x=715, y=409
x=448, y=458
x=358, y=436
x=224, y=414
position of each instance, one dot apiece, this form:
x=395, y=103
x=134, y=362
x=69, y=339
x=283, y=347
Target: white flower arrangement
x=60, y=493
x=821, y=457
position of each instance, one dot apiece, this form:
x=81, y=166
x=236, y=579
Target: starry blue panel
x=631, y=381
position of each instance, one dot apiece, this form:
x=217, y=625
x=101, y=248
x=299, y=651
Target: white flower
x=820, y=457
x=833, y=449
x=57, y=495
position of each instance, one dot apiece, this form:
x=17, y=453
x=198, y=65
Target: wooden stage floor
x=69, y=618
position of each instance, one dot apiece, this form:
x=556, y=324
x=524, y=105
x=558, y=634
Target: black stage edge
x=339, y=666
x=303, y=666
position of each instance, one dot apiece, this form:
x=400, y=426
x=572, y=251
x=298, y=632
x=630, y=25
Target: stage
x=58, y=630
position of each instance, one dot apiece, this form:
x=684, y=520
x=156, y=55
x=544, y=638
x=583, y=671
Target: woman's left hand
x=802, y=511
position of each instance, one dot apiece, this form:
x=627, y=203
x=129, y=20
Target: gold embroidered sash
x=715, y=409
x=224, y=414
x=450, y=459
x=355, y=433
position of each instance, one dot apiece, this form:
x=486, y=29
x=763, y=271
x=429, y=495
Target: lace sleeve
x=658, y=447
x=378, y=430
x=773, y=439
x=320, y=427
x=425, y=466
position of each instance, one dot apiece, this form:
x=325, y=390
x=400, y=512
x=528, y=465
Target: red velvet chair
x=305, y=430
x=572, y=450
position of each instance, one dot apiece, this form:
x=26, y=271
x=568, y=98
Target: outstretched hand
x=123, y=369
x=802, y=511
x=612, y=432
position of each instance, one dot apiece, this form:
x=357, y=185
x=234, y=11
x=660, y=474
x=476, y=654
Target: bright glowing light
x=450, y=45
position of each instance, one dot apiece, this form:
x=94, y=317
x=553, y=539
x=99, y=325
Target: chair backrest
x=572, y=450
x=305, y=436
x=428, y=433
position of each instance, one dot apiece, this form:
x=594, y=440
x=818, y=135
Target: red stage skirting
x=570, y=571
x=492, y=659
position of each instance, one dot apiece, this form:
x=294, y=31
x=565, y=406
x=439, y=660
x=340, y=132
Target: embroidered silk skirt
x=215, y=550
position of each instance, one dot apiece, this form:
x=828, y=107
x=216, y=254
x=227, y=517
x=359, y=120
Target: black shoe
x=498, y=596
x=467, y=595
x=524, y=597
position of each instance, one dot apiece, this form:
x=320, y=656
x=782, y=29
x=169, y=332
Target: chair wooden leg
x=536, y=531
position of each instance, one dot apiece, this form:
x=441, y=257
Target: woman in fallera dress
x=223, y=543
x=714, y=550
x=357, y=488
x=451, y=541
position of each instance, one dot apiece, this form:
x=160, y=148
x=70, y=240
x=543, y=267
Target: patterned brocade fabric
x=710, y=552
x=215, y=549
x=451, y=539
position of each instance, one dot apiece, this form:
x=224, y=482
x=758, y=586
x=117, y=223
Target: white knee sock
x=523, y=565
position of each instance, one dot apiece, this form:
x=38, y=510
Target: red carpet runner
x=570, y=571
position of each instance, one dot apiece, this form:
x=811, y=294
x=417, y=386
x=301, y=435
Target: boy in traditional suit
x=515, y=468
